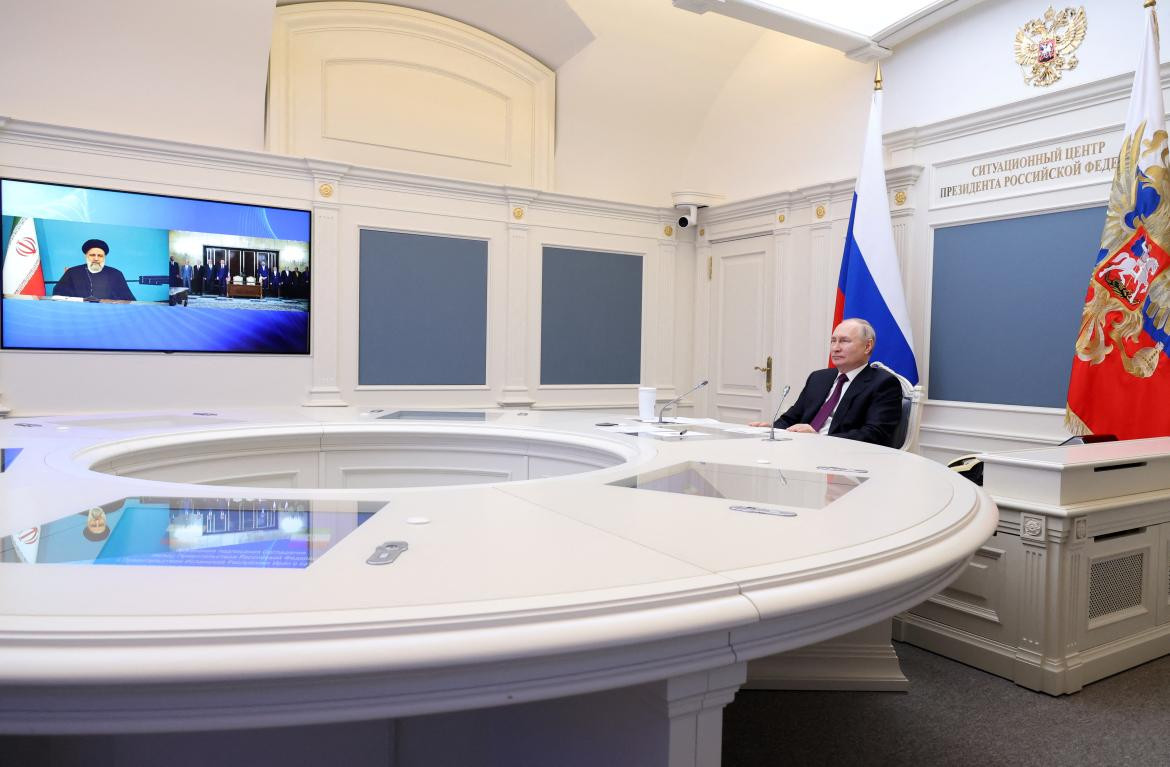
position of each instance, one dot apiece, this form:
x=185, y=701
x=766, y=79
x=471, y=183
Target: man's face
x=846, y=349
x=95, y=259
x=96, y=523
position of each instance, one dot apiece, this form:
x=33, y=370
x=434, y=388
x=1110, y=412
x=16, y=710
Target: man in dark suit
x=93, y=279
x=220, y=278
x=850, y=399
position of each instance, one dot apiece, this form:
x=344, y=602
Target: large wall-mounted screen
x=97, y=269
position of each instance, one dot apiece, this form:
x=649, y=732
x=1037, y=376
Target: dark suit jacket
x=869, y=410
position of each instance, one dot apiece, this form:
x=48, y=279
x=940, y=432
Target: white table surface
x=512, y=591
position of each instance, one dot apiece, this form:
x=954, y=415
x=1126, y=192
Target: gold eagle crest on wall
x=1045, y=47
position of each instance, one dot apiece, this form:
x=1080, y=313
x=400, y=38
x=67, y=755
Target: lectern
x=1075, y=583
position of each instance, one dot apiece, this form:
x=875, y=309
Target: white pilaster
x=661, y=270
x=324, y=287
x=518, y=378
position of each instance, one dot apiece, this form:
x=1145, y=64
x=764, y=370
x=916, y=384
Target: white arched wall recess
x=384, y=86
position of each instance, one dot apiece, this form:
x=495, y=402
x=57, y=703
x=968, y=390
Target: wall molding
x=759, y=215
x=1106, y=91
x=26, y=133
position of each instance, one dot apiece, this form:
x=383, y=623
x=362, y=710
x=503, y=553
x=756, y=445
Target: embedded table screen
x=754, y=484
x=192, y=532
x=435, y=415
x=7, y=456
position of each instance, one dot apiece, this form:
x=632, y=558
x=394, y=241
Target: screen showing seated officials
x=97, y=269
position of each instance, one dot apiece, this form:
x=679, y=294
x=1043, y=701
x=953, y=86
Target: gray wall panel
x=423, y=310
x=1006, y=306
x=590, y=318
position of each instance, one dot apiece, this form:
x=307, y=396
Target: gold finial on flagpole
x=1150, y=3
x=877, y=78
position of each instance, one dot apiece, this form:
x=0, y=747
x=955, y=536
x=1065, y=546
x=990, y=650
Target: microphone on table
x=661, y=412
x=783, y=396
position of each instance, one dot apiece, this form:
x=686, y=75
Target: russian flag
x=870, y=285
x=1120, y=380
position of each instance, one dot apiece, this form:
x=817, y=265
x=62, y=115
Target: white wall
x=187, y=71
x=630, y=104
x=790, y=115
x=968, y=63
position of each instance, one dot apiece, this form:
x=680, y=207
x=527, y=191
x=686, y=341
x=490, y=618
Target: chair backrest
x=237, y=280
x=907, y=432
x=249, y=280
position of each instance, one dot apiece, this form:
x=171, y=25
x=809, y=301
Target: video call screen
x=97, y=269
x=192, y=532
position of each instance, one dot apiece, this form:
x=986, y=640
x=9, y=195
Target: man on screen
x=94, y=279
x=220, y=278
x=850, y=399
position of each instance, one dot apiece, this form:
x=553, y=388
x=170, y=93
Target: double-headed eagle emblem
x=1131, y=275
x=1045, y=47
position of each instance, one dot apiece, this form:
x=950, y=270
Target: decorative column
x=823, y=267
x=325, y=282
x=1072, y=583
x=902, y=185
x=701, y=323
x=517, y=389
x=1030, y=650
x=658, y=306
x=786, y=278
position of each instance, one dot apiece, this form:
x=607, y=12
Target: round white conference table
x=477, y=587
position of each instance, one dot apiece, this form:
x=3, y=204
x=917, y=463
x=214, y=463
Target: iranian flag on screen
x=22, y=261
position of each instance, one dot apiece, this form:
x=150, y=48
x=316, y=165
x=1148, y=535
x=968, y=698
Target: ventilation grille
x=1116, y=584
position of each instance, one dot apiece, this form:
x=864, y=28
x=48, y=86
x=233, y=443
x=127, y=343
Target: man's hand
x=803, y=428
x=759, y=423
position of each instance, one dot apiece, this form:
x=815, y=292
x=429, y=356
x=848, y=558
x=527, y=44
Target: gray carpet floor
x=955, y=715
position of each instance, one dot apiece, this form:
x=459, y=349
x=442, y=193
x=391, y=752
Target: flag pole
x=877, y=78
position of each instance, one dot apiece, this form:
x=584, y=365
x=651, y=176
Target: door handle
x=767, y=371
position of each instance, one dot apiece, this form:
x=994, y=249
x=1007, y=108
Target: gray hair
x=867, y=331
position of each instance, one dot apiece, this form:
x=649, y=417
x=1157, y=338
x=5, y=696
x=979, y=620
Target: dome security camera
x=687, y=216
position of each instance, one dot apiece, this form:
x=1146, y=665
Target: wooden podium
x=243, y=291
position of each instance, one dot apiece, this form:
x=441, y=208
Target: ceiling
x=863, y=29
x=552, y=31
x=548, y=30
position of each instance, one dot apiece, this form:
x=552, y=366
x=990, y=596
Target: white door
x=742, y=326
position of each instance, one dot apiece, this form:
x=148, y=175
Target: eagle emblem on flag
x=1128, y=272
x=1045, y=47
x=1131, y=276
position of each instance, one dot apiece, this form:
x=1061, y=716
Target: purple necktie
x=827, y=409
